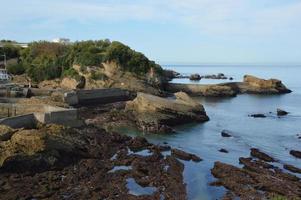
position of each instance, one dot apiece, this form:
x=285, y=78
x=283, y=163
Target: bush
x=43, y=68
x=129, y=59
x=46, y=60
x=98, y=76
x=72, y=73
x=16, y=69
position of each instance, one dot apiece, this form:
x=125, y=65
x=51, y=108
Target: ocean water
x=273, y=135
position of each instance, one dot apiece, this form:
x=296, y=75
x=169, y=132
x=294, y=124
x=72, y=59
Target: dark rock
x=292, y=168
x=185, y=156
x=258, y=116
x=170, y=74
x=231, y=78
x=86, y=177
x=260, y=155
x=226, y=133
x=295, y=153
x=223, y=151
x=195, y=77
x=256, y=180
x=281, y=112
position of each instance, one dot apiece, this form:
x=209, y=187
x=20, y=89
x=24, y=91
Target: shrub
x=16, y=69
x=72, y=73
x=98, y=76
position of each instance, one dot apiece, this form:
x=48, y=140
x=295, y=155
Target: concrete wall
x=98, y=96
x=31, y=114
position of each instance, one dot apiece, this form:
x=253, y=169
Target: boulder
x=185, y=156
x=195, y=77
x=39, y=149
x=223, y=151
x=72, y=84
x=281, y=112
x=292, y=168
x=155, y=114
x=295, y=153
x=225, y=133
x=259, y=115
x=252, y=84
x=170, y=74
x=260, y=155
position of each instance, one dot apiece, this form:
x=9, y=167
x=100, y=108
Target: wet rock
x=156, y=114
x=256, y=180
x=223, y=151
x=260, y=155
x=93, y=175
x=258, y=116
x=292, y=168
x=195, y=77
x=226, y=133
x=281, y=112
x=231, y=78
x=214, y=76
x=295, y=153
x=138, y=143
x=185, y=156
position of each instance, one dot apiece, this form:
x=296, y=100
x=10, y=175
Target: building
x=62, y=40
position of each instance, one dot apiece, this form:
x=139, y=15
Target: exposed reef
x=53, y=162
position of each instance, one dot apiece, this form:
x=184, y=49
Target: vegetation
x=10, y=51
x=16, y=69
x=46, y=60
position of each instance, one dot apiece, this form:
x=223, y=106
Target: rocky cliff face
x=156, y=114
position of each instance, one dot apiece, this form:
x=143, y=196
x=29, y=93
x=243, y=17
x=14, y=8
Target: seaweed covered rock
x=256, y=180
x=39, y=149
x=156, y=114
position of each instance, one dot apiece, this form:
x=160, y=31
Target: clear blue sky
x=188, y=31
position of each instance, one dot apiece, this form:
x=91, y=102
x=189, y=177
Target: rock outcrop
x=252, y=84
x=195, y=77
x=156, y=114
x=60, y=163
x=203, y=90
x=39, y=149
x=281, y=112
x=256, y=180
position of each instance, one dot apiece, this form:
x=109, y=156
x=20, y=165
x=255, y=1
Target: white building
x=62, y=40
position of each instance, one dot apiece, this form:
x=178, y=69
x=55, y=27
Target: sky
x=167, y=31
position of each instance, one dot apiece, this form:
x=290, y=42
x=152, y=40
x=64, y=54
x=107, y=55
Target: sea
x=273, y=135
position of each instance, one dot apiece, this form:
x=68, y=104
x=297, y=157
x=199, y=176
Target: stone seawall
x=98, y=96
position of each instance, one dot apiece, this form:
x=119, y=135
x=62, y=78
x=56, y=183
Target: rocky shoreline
x=86, y=163
x=257, y=179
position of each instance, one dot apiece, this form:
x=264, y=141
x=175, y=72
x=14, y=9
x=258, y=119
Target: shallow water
x=276, y=136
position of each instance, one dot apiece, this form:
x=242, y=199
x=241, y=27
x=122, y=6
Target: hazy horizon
x=192, y=31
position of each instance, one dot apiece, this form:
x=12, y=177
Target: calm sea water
x=276, y=136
